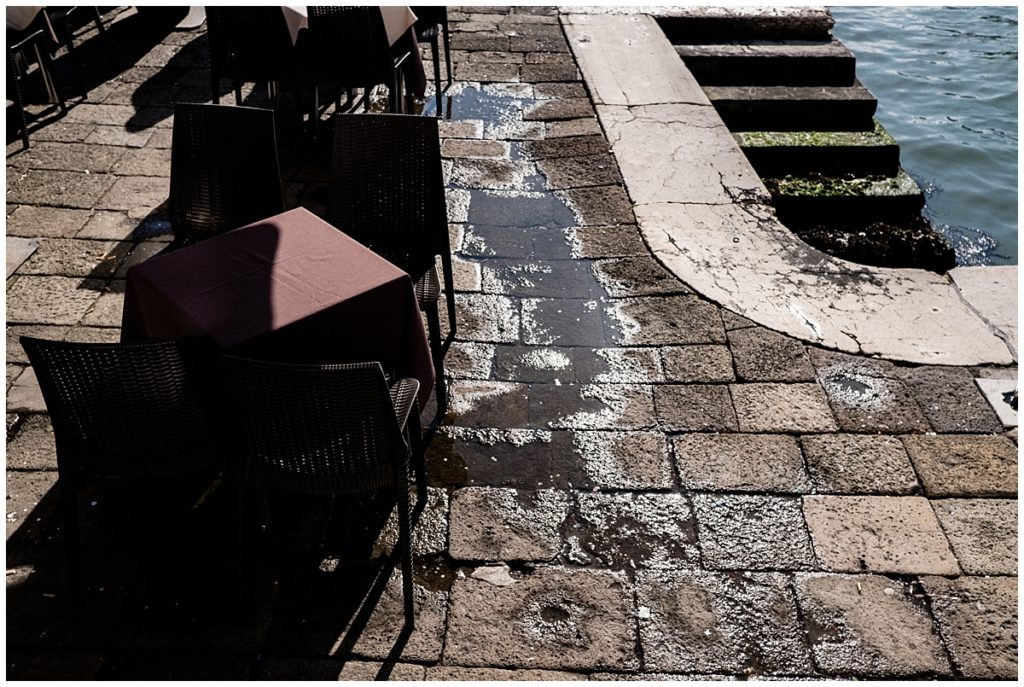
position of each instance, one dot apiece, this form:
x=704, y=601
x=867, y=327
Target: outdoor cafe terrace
x=318, y=383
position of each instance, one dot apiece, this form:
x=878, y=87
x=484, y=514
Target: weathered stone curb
x=705, y=215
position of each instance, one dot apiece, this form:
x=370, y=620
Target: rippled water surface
x=946, y=83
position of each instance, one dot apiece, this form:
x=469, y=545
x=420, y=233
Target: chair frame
x=428, y=32
x=224, y=28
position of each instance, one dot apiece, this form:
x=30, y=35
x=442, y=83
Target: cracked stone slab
x=965, y=465
x=625, y=460
x=978, y=621
x=490, y=524
x=982, y=532
x=868, y=625
x=708, y=622
x=606, y=46
x=762, y=355
x=886, y=534
x=992, y=292
x=765, y=407
x=659, y=320
x=740, y=462
x=997, y=392
x=633, y=531
x=554, y=618
x=857, y=464
x=639, y=276
x=752, y=532
x=679, y=154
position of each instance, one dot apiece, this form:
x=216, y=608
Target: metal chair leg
x=435, y=53
x=405, y=545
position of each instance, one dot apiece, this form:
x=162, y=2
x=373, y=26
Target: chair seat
x=427, y=288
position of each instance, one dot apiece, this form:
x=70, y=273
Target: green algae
x=815, y=139
x=837, y=187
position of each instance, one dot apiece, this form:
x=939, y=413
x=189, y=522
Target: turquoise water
x=946, y=83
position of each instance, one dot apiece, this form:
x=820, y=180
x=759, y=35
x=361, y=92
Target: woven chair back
x=248, y=43
x=317, y=429
x=126, y=408
x=224, y=169
x=387, y=187
x=349, y=46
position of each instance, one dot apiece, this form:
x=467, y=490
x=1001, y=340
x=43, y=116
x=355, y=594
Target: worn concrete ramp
x=706, y=215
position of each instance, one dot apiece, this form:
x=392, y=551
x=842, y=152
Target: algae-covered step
x=794, y=108
x=778, y=153
x=770, y=63
x=807, y=200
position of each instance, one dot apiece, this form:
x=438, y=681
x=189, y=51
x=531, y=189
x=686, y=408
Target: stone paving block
x=40, y=221
x=782, y=408
x=951, y=401
x=752, y=533
x=144, y=250
x=562, y=108
x=105, y=224
x=659, y=320
x=33, y=446
x=733, y=321
x=617, y=365
x=149, y=162
x=625, y=460
x=885, y=534
x=68, y=157
x=25, y=491
x=867, y=395
x=633, y=531
x=161, y=138
x=586, y=126
x=131, y=193
x=481, y=40
x=65, y=189
x=464, y=128
x=580, y=171
x=498, y=209
x=552, y=619
x=998, y=393
x=695, y=408
x=513, y=242
x=762, y=355
x=540, y=278
x=429, y=534
x=566, y=145
x=485, y=72
x=591, y=406
x=487, y=56
x=559, y=89
x=534, y=364
x=76, y=258
x=64, y=131
x=868, y=625
x=606, y=242
x=964, y=465
x=15, y=353
x=539, y=73
x=488, y=404
x=538, y=44
x=977, y=618
x=639, y=276
x=599, y=205
x=856, y=464
x=106, y=310
x=706, y=622
x=518, y=458
x=697, y=364
x=50, y=300
x=563, y=322
x=469, y=360
x=447, y=673
x=93, y=334
x=740, y=462
x=507, y=524
x=486, y=318
x=459, y=147
x=982, y=532
x=103, y=135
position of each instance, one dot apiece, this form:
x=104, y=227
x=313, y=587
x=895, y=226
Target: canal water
x=946, y=83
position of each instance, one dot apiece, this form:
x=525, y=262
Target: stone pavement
x=633, y=481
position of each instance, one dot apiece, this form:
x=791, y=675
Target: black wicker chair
x=61, y=18
x=18, y=45
x=224, y=170
x=431, y=21
x=130, y=409
x=248, y=45
x=331, y=430
x=387, y=192
x=349, y=48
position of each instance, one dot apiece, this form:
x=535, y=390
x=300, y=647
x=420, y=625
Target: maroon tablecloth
x=289, y=288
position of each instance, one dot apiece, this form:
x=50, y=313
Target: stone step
x=715, y=24
x=808, y=201
x=771, y=63
x=861, y=153
x=794, y=108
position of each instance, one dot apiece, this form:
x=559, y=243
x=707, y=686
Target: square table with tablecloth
x=290, y=288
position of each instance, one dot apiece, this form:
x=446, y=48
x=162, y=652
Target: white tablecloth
x=397, y=19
